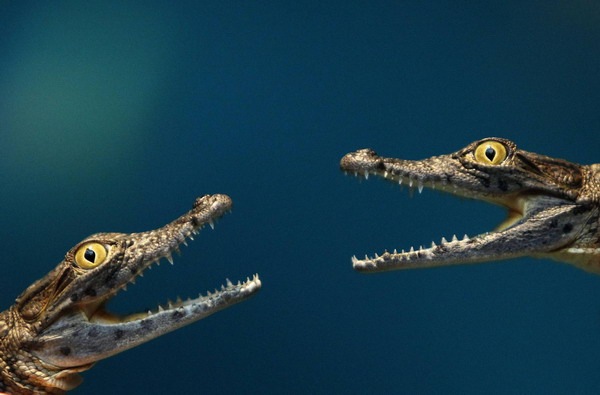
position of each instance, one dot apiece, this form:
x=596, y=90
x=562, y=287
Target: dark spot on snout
x=178, y=314
x=580, y=210
x=118, y=334
x=90, y=292
x=147, y=324
x=64, y=350
x=74, y=298
x=502, y=185
x=567, y=228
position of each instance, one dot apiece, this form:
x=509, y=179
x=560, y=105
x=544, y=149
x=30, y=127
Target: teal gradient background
x=115, y=115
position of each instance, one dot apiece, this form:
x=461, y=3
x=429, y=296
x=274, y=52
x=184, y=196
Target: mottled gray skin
x=553, y=206
x=59, y=327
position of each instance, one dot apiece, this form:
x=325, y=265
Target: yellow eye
x=490, y=153
x=90, y=255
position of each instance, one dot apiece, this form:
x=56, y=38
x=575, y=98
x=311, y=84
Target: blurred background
x=116, y=115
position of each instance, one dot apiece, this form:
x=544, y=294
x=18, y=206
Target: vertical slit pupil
x=490, y=153
x=90, y=255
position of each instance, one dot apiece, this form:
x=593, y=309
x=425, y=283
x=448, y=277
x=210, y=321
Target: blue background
x=115, y=115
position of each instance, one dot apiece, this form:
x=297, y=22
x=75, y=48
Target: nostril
x=367, y=152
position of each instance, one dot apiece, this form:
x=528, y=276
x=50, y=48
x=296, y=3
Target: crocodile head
x=61, y=324
x=552, y=204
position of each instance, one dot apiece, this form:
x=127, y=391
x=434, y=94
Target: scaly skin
x=553, y=205
x=58, y=327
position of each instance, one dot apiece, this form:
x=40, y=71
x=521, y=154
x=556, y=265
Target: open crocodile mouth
x=510, y=239
x=227, y=294
x=417, y=185
x=91, y=332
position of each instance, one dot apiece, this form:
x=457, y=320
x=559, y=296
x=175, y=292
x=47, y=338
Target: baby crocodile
x=59, y=326
x=553, y=205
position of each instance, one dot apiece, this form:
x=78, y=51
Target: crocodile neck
x=59, y=327
x=553, y=205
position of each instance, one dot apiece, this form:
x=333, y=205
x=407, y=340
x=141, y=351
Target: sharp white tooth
x=366, y=257
x=149, y=312
x=433, y=245
x=355, y=174
x=169, y=258
x=191, y=237
x=454, y=238
x=403, y=251
x=185, y=243
x=400, y=181
x=444, y=241
x=376, y=256
x=465, y=237
x=354, y=259
x=238, y=284
x=124, y=287
x=211, y=223
x=160, y=308
x=229, y=284
x=411, y=249
x=385, y=174
x=366, y=174
x=420, y=187
x=421, y=248
x=410, y=182
x=222, y=287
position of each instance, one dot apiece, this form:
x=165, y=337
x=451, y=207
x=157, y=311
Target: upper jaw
x=435, y=173
x=443, y=173
x=129, y=255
